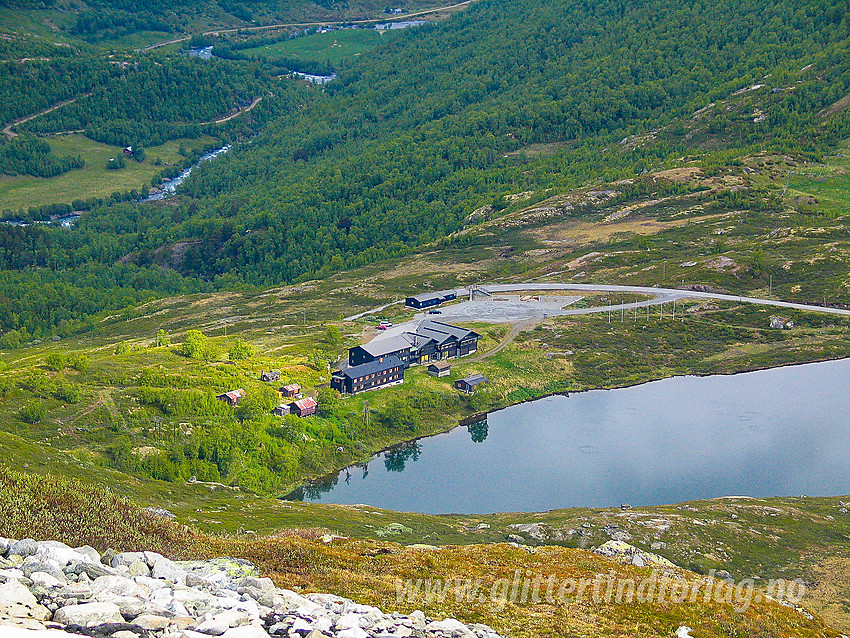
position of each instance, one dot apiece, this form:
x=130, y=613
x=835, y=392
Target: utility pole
x=770, y=286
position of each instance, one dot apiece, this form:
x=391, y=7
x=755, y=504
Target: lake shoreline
x=316, y=480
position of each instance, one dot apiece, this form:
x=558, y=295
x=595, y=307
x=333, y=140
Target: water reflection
x=396, y=457
x=478, y=430
x=774, y=432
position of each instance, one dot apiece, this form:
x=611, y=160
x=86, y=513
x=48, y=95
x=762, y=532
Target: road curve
x=659, y=296
x=663, y=295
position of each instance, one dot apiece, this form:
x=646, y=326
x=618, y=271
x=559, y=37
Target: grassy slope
x=547, y=243
x=367, y=570
x=642, y=242
x=94, y=179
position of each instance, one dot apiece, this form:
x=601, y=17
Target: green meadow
x=332, y=47
x=94, y=179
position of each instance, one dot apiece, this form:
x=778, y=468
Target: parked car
x=435, y=312
x=384, y=325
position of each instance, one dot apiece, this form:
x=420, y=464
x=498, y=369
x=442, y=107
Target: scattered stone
x=139, y=568
x=59, y=553
x=393, y=529
x=146, y=595
x=22, y=548
x=168, y=570
x=250, y=631
x=159, y=511
x=149, y=622
x=43, y=579
x=89, y=614
x=617, y=534
x=93, y=570
x=89, y=551
x=16, y=601
x=536, y=531
x=31, y=566
x=631, y=555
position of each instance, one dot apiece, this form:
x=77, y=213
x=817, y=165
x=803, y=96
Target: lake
x=784, y=431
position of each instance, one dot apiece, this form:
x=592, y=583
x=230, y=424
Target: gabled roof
x=233, y=395
x=423, y=332
x=427, y=296
x=440, y=365
x=442, y=332
x=305, y=403
x=292, y=387
x=382, y=346
x=355, y=372
x=475, y=379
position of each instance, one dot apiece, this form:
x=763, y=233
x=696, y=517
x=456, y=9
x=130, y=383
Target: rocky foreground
x=48, y=585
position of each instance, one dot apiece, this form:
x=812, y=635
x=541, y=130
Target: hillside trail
x=242, y=110
x=7, y=130
x=506, y=341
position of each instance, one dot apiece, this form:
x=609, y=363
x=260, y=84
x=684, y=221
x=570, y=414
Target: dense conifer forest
x=405, y=144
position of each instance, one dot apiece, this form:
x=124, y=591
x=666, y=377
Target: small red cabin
x=303, y=407
x=291, y=391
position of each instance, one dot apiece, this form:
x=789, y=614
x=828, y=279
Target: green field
x=93, y=180
x=332, y=47
x=828, y=184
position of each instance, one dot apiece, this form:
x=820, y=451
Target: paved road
x=663, y=295
x=466, y=310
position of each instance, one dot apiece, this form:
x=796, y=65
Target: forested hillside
x=408, y=144
x=506, y=97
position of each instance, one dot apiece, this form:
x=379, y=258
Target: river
x=171, y=185
x=777, y=432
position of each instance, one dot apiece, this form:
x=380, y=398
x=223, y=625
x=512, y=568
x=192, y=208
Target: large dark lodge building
x=428, y=341
x=368, y=376
x=382, y=361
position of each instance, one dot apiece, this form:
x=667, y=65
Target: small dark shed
x=272, y=375
x=440, y=369
x=470, y=383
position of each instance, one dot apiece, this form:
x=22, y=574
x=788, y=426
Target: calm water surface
x=776, y=432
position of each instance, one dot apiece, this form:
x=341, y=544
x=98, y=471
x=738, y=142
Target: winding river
x=170, y=186
x=784, y=431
